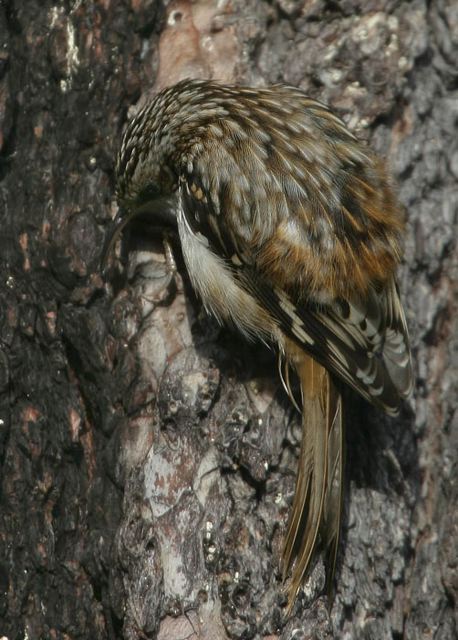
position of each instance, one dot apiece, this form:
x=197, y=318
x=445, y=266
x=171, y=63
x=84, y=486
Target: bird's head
x=146, y=184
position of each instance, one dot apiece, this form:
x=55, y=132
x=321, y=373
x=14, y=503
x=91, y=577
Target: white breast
x=221, y=294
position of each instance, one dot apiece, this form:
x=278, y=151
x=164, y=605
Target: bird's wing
x=364, y=340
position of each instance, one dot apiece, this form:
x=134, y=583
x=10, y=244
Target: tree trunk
x=148, y=455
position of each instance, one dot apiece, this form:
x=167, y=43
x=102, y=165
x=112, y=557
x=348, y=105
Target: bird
x=291, y=232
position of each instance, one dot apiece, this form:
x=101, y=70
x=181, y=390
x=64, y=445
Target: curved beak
x=161, y=208
x=122, y=218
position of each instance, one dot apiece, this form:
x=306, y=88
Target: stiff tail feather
x=317, y=505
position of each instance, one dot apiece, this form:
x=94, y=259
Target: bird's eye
x=150, y=192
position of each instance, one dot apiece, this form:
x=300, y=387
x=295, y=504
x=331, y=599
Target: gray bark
x=147, y=455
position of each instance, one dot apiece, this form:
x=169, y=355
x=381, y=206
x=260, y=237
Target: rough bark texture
x=148, y=456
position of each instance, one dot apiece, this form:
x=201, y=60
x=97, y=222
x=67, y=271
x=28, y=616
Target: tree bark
x=148, y=455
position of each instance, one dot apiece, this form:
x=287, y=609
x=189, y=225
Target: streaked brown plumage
x=290, y=231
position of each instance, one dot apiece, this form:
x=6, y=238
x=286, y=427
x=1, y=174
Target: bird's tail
x=317, y=506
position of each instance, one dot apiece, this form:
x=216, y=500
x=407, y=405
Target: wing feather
x=361, y=338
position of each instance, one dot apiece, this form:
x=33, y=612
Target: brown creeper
x=290, y=230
